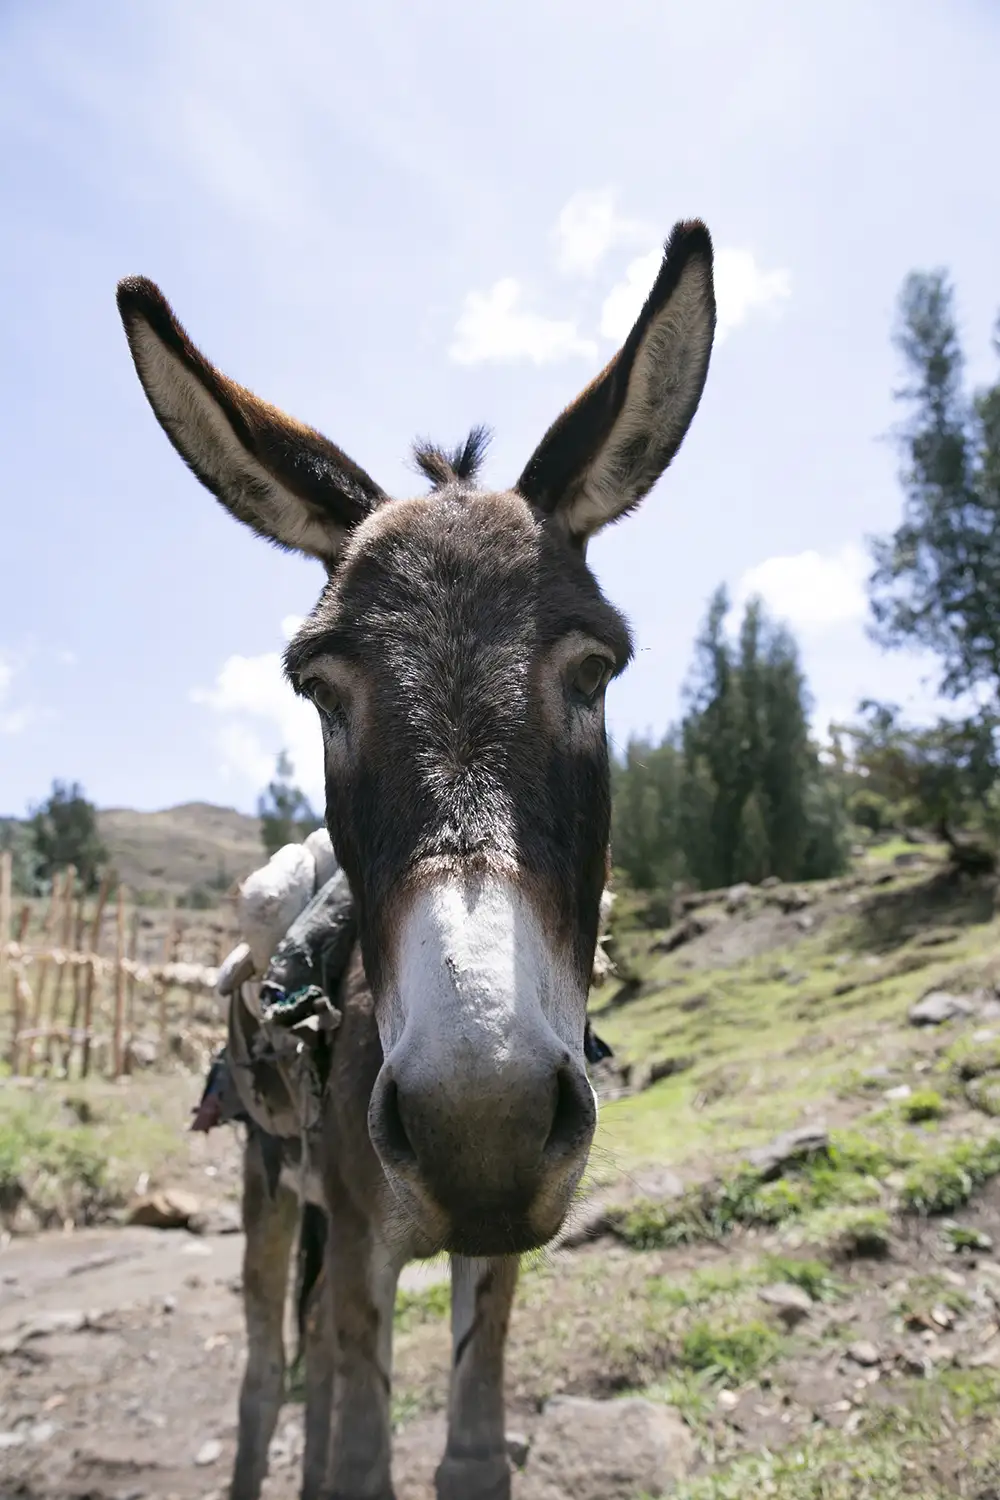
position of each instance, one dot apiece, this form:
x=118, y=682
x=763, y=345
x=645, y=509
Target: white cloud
x=494, y=327
x=257, y=715
x=588, y=226
x=741, y=287
x=809, y=591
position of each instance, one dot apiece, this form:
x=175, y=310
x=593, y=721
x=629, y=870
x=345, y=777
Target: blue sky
x=402, y=218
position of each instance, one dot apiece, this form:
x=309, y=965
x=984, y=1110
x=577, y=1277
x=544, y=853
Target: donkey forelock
x=458, y=657
x=459, y=465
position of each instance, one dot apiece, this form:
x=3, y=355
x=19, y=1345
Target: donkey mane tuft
x=459, y=466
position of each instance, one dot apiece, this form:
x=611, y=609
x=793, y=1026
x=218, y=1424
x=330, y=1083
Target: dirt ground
x=121, y=1351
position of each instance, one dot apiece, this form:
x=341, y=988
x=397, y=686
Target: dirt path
x=120, y=1357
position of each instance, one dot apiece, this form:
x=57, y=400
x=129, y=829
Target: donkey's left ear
x=608, y=449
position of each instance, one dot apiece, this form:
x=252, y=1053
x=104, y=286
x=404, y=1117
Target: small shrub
x=812, y=1276
x=423, y=1306
x=733, y=1354
x=984, y=1094
x=853, y=1233
x=940, y=1184
x=960, y=1237
x=651, y=1225
x=925, y=1104
x=968, y=1059
x=59, y=1173
x=850, y=1151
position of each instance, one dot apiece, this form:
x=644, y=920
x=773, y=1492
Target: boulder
x=655, y=1069
x=737, y=896
x=939, y=1007
x=790, y=1302
x=169, y=1209
x=771, y=1160
x=606, y=1450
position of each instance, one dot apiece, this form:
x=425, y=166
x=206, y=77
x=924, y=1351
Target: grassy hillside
x=171, y=852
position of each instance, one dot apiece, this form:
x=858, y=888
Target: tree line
x=738, y=790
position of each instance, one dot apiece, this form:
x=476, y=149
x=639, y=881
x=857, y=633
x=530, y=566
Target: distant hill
x=173, y=851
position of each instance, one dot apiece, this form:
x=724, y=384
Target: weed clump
x=56, y=1174
x=732, y=1354
x=813, y=1276
x=984, y=1094
x=925, y=1104
x=426, y=1306
x=969, y=1059
x=940, y=1184
x=846, y=1172
x=853, y=1233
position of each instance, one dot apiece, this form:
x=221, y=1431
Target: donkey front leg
x=475, y=1464
x=270, y=1217
x=320, y=1358
x=361, y=1277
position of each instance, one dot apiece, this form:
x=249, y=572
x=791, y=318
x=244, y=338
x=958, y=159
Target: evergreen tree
x=64, y=832
x=935, y=581
x=739, y=792
x=789, y=763
x=286, y=815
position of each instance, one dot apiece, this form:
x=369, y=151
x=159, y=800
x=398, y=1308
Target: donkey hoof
x=473, y=1478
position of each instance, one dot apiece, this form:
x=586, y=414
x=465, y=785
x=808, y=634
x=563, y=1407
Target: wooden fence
x=72, y=1010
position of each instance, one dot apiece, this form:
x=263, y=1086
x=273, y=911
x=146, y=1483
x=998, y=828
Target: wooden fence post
x=118, y=1055
x=169, y=952
x=88, y=998
x=66, y=944
x=79, y=980
x=6, y=896
x=133, y=954
x=43, y=967
x=22, y=994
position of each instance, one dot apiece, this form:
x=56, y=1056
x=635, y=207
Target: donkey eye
x=590, y=676
x=325, y=697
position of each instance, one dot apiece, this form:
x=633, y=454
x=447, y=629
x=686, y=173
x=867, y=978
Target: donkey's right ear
x=282, y=479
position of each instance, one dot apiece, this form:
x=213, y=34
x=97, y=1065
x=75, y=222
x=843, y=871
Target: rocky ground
x=783, y=1280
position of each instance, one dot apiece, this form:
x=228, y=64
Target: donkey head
x=458, y=658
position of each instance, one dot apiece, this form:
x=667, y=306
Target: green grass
x=941, y=1183
x=924, y=1105
x=896, y=1453
x=926, y=1292
x=849, y=1232
x=812, y=1276
x=968, y=1059
x=73, y=1154
x=726, y=1353
x=427, y=1305
x=847, y=1174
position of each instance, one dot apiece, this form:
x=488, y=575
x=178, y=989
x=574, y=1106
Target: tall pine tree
x=740, y=791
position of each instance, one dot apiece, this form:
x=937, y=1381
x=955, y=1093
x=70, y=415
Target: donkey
x=458, y=659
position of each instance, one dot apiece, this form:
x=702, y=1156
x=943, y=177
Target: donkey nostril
x=573, y=1119
x=393, y=1142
